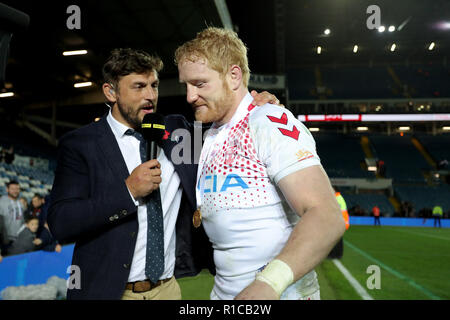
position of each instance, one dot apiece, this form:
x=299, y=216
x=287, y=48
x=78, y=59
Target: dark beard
x=135, y=122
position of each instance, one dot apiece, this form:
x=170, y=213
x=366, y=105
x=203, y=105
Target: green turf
x=333, y=286
x=414, y=264
x=198, y=287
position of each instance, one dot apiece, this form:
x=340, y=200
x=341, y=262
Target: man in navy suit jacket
x=99, y=181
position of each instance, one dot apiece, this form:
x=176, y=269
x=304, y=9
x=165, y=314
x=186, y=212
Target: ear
x=109, y=92
x=235, y=77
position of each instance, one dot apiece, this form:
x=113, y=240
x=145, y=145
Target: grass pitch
x=414, y=265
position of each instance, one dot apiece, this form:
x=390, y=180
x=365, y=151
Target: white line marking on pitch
x=423, y=234
x=353, y=282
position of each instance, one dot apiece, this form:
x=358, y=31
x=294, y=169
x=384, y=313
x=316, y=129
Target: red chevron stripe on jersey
x=291, y=133
x=282, y=120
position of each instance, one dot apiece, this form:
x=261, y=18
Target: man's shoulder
x=177, y=121
x=270, y=117
x=84, y=134
x=3, y=200
x=270, y=113
x=278, y=125
x=26, y=233
x=175, y=118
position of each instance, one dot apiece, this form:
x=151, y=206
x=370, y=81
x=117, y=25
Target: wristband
x=278, y=275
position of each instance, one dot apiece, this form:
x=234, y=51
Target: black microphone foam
x=153, y=129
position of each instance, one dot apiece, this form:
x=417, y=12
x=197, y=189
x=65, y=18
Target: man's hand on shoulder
x=264, y=97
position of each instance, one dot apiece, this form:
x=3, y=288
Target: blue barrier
x=38, y=266
x=400, y=222
x=35, y=267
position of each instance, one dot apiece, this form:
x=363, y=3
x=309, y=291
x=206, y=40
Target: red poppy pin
x=166, y=135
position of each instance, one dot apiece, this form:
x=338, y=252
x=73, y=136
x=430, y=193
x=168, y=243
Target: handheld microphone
x=153, y=129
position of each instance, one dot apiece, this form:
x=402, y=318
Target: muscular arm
x=309, y=193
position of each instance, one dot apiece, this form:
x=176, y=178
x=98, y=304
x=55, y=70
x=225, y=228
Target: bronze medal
x=197, y=218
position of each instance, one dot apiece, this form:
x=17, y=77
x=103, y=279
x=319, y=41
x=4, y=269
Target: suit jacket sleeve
x=85, y=197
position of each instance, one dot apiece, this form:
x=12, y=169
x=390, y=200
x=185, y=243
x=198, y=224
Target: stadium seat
x=425, y=196
x=434, y=145
x=341, y=155
x=403, y=161
x=368, y=201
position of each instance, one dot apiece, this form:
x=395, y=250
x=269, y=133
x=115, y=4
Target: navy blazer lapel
x=186, y=171
x=107, y=143
x=167, y=144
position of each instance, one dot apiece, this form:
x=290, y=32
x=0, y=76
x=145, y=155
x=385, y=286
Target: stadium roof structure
x=412, y=25
x=280, y=35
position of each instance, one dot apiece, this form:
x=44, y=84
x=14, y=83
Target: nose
x=191, y=94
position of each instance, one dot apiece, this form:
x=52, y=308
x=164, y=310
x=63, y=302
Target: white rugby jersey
x=244, y=214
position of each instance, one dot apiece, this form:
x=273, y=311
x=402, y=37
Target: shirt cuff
x=132, y=198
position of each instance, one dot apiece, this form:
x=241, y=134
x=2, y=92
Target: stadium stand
x=370, y=82
x=425, y=81
x=341, y=155
x=301, y=83
x=425, y=197
x=437, y=145
x=368, y=201
x=363, y=82
x=403, y=161
x=33, y=179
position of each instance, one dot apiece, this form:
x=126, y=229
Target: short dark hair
x=28, y=217
x=123, y=62
x=11, y=182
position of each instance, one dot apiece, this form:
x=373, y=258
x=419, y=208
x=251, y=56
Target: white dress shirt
x=171, y=192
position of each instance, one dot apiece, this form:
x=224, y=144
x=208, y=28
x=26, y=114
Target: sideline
x=422, y=234
x=353, y=282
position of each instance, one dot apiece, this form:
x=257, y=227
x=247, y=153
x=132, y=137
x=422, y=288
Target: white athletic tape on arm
x=278, y=275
